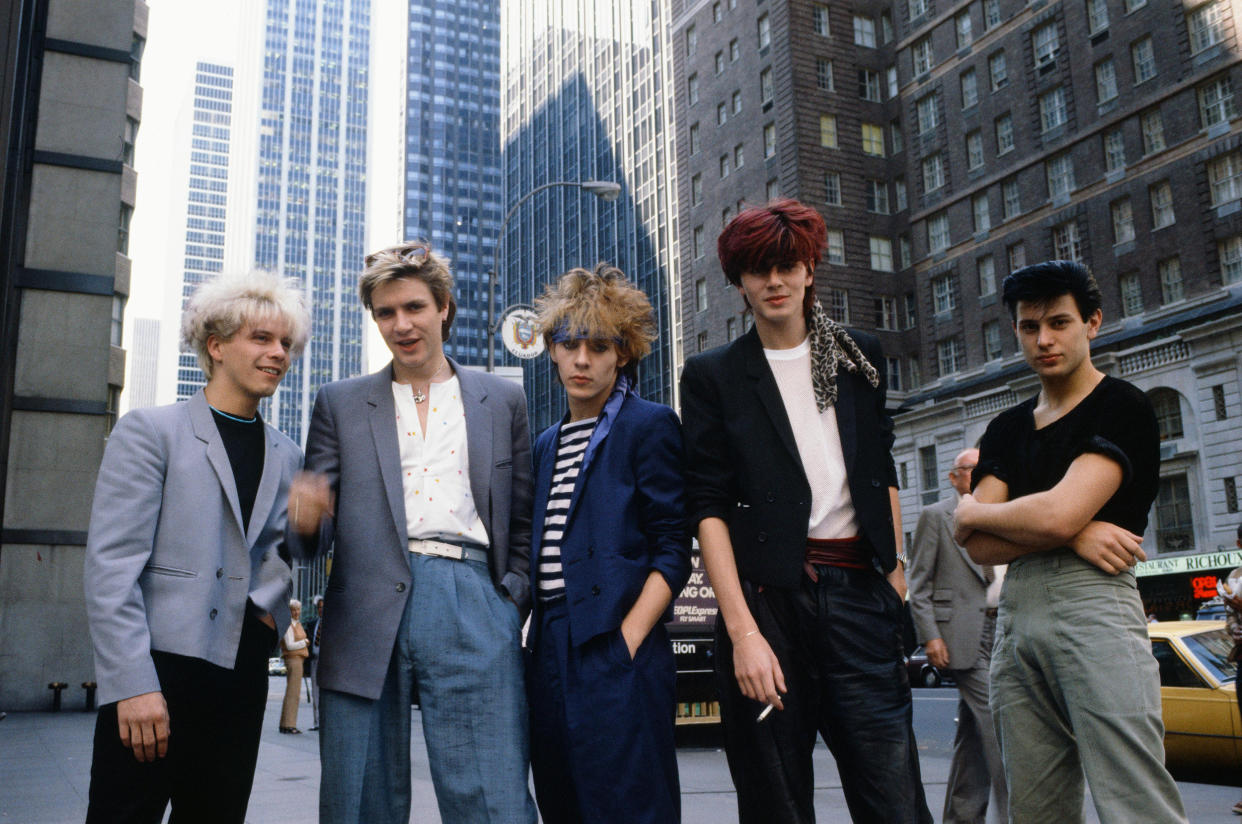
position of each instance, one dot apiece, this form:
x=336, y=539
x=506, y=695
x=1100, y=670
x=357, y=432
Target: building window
x=122, y=231
x=986, y=266
x=929, y=471
x=877, y=196
x=1066, y=244
x=1218, y=402
x=697, y=242
x=1044, y=43
x=692, y=88
x=1011, y=199
x=961, y=25
x=1060, y=170
x=938, y=232
x=695, y=145
x=898, y=139
x=700, y=295
x=696, y=190
x=1231, y=495
x=1153, y=131
x=724, y=166
x=836, y=246
x=720, y=62
x=739, y=158
x=892, y=369
x=864, y=31
x=717, y=13
x=982, y=212
x=873, y=139
x=869, y=86
x=903, y=247
x=1004, y=134
x=1171, y=289
x=933, y=172
x=839, y=305
x=701, y=342
x=1206, y=25
x=922, y=56
x=819, y=20
x=1175, y=529
x=1216, y=101
x=1230, y=251
x=993, y=349
x=1123, y=220
x=1225, y=178
x=1105, y=81
x=944, y=294
x=1167, y=404
x=899, y=186
x=736, y=101
x=772, y=189
x=765, y=31
x=1133, y=5
x=726, y=214
x=828, y=131
x=918, y=8
x=832, y=187
x=998, y=71
x=1052, y=109
x=1161, y=195
x=928, y=113
x=974, y=150
x=1097, y=16
x=117, y=327
x=1131, y=295
x=1114, y=151
x=970, y=88
x=823, y=75
x=912, y=311
x=951, y=355
x=916, y=377
x=722, y=114
x=692, y=39
x=886, y=312
x=769, y=140
x=881, y=254
x=735, y=50
x=1143, y=56
x=1016, y=255
x=730, y=329
x=991, y=13
x=886, y=26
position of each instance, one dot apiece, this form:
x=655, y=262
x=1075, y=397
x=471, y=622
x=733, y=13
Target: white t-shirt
x=435, y=467
x=819, y=444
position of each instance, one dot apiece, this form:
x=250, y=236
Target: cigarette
x=766, y=712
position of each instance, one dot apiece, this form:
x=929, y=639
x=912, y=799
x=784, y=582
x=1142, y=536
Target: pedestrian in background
x=609, y=550
x=293, y=648
x=312, y=661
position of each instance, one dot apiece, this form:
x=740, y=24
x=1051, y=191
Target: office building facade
x=946, y=146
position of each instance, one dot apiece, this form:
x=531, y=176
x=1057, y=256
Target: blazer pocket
x=503, y=462
x=159, y=569
x=942, y=604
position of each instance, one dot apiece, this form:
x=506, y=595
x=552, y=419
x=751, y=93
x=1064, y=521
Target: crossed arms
x=996, y=530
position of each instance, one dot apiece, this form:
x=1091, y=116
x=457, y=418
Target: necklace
x=420, y=395
x=234, y=417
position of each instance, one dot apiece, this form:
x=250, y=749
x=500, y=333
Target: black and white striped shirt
x=569, y=451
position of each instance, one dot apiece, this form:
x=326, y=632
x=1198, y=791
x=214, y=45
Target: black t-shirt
x=1116, y=420
x=245, y=442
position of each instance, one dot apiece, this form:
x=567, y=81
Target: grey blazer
x=353, y=441
x=167, y=564
x=948, y=594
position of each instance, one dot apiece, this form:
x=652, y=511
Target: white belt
x=443, y=549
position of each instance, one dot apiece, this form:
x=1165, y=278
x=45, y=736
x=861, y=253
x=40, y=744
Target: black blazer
x=742, y=462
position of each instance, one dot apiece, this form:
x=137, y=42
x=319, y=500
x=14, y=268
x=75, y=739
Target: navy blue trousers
x=602, y=747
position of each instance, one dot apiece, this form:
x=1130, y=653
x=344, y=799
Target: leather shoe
x=291, y=730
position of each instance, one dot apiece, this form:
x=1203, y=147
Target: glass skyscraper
x=206, y=198
x=310, y=220
x=453, y=189
x=586, y=98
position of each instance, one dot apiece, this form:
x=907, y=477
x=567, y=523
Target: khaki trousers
x=293, y=692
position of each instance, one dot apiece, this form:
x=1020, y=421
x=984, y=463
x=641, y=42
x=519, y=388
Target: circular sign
x=520, y=332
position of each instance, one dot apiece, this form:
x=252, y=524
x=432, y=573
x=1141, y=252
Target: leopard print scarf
x=831, y=348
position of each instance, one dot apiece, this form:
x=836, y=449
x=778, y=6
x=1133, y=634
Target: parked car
x=922, y=672
x=276, y=666
x=1202, y=727
x=1211, y=610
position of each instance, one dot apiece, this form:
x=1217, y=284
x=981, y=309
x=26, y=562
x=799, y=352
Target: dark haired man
x=1063, y=486
x=791, y=483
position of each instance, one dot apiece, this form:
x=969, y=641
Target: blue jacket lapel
x=383, y=414
x=478, y=441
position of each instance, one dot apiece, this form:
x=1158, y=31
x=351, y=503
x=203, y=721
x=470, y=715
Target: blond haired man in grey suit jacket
x=186, y=575
x=953, y=602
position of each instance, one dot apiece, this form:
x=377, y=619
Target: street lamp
x=604, y=189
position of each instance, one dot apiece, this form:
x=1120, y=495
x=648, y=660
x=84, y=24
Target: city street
x=45, y=761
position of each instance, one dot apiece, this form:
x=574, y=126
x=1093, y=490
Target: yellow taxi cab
x=1202, y=728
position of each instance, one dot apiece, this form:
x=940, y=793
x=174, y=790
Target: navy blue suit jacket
x=626, y=517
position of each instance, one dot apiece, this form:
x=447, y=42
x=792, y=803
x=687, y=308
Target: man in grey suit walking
x=419, y=479
x=953, y=601
x=186, y=573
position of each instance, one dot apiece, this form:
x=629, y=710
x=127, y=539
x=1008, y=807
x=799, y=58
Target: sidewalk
x=45, y=766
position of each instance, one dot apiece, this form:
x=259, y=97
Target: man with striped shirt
x=609, y=549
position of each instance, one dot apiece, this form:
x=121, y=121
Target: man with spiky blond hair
x=186, y=571
x=610, y=548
